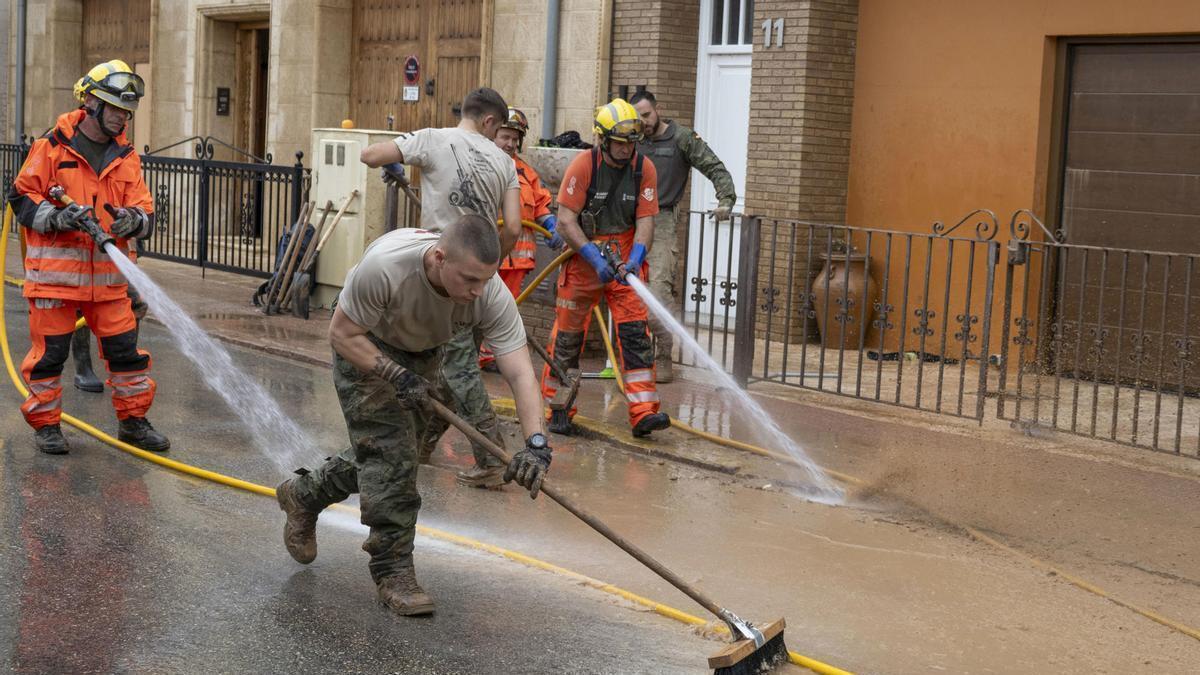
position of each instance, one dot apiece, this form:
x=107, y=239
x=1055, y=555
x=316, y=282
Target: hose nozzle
x=89, y=225
x=614, y=261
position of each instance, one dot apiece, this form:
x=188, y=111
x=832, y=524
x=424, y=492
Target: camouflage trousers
x=381, y=464
x=663, y=260
x=460, y=369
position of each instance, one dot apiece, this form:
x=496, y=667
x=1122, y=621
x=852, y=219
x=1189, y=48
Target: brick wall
x=799, y=145
x=655, y=44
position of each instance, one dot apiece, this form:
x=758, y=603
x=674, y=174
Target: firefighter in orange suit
x=535, y=207
x=89, y=156
x=606, y=208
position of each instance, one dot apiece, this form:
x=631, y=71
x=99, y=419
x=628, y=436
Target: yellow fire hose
x=658, y=608
x=433, y=533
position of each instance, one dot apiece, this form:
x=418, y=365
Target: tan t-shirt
x=461, y=172
x=389, y=294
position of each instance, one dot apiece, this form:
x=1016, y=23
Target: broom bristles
x=762, y=660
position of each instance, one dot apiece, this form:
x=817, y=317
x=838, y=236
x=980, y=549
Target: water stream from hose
x=821, y=488
x=273, y=431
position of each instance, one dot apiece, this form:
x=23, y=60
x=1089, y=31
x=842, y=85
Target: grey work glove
x=528, y=467
x=722, y=213
x=130, y=221
x=67, y=218
x=412, y=390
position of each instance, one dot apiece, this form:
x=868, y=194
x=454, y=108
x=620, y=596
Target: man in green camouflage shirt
x=675, y=151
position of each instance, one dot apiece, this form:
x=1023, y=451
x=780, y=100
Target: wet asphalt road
x=115, y=565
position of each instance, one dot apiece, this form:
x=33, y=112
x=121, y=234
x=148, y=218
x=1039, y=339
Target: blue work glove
x=555, y=241
x=591, y=253
x=633, y=264
x=392, y=174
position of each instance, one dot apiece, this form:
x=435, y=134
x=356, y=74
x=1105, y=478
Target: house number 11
x=766, y=26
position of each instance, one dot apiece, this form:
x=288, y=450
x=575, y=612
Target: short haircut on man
x=474, y=235
x=643, y=95
x=482, y=102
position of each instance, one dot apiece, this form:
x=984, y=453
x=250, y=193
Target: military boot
x=81, y=350
x=50, y=440
x=484, y=477
x=300, y=531
x=137, y=432
x=401, y=594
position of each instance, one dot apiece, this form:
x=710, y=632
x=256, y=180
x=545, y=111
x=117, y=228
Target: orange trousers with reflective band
x=512, y=277
x=51, y=323
x=579, y=290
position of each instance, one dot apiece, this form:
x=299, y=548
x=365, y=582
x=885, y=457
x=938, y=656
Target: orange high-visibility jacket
x=67, y=265
x=535, y=203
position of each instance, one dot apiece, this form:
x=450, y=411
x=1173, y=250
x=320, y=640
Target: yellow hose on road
x=657, y=607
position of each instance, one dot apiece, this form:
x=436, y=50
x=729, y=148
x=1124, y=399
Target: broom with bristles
x=754, y=650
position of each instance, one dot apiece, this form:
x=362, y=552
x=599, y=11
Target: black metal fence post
x=297, y=186
x=203, y=212
x=747, y=300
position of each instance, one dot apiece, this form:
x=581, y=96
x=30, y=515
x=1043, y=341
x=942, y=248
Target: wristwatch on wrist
x=537, y=441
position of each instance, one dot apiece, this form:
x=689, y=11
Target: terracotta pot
x=837, y=299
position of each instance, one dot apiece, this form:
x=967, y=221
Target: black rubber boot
x=50, y=440
x=655, y=422
x=137, y=431
x=560, y=423
x=81, y=349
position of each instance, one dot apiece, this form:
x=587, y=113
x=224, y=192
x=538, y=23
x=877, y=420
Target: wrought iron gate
x=1100, y=342
x=221, y=214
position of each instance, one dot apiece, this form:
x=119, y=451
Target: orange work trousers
x=580, y=290
x=512, y=278
x=51, y=323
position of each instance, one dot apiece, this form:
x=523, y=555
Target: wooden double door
x=446, y=38
x=119, y=29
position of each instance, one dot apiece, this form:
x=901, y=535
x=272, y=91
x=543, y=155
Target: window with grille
x=732, y=22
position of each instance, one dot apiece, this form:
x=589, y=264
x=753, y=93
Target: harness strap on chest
x=595, y=201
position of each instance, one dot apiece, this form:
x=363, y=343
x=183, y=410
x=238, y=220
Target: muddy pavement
x=118, y=565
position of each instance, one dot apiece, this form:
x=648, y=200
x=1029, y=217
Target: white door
x=723, y=121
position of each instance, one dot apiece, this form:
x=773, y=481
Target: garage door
x=1131, y=180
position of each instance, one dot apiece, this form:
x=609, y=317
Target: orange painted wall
x=953, y=108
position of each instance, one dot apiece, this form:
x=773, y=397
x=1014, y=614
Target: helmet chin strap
x=97, y=114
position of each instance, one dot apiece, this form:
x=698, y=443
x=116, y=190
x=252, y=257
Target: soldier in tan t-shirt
x=412, y=292
x=462, y=171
